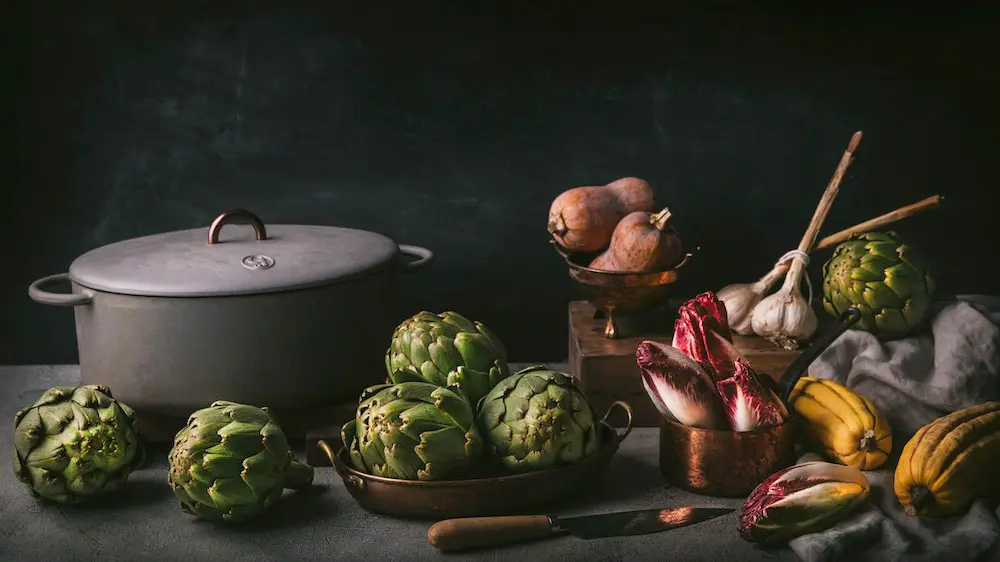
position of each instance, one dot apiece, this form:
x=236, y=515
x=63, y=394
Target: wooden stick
x=879, y=221
x=832, y=189
x=871, y=224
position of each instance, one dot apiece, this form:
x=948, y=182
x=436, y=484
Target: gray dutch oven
x=292, y=317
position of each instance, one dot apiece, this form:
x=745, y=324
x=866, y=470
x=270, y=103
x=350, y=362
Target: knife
x=476, y=532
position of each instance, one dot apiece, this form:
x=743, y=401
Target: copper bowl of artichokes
x=451, y=433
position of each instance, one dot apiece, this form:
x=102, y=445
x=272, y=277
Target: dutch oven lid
x=215, y=262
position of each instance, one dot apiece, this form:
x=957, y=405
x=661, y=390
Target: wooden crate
x=606, y=368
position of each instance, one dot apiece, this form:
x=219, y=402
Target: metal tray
x=499, y=495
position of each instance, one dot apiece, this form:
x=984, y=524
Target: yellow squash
x=842, y=424
x=951, y=462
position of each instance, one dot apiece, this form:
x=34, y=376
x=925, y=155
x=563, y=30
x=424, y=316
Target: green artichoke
x=232, y=462
x=884, y=278
x=447, y=349
x=537, y=418
x=75, y=443
x=413, y=431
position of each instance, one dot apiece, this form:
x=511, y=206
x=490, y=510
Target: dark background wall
x=454, y=130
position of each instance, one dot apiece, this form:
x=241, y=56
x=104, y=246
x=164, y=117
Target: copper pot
x=731, y=463
x=722, y=462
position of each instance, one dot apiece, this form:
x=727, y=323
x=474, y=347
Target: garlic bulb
x=741, y=298
x=786, y=317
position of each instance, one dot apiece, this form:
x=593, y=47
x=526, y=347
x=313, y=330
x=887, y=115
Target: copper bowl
x=615, y=292
x=505, y=494
x=722, y=462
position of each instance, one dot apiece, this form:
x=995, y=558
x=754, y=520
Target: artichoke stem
x=919, y=497
x=298, y=475
x=867, y=441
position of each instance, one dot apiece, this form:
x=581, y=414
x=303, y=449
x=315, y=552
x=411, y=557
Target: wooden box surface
x=606, y=368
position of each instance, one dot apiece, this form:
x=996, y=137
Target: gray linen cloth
x=915, y=380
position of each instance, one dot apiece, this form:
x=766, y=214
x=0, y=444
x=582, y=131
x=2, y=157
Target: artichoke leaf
x=447, y=445
x=419, y=352
x=264, y=472
x=250, y=415
x=890, y=320
x=469, y=383
x=904, y=280
x=402, y=459
x=459, y=322
x=244, y=437
x=223, y=464
x=476, y=351
x=405, y=374
x=49, y=454
x=878, y=295
x=227, y=493
x=197, y=473
x=273, y=438
x=81, y=479
x=915, y=309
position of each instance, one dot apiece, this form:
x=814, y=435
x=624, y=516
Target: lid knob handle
x=236, y=216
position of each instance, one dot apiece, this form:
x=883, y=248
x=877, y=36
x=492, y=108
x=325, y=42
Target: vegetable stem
x=919, y=497
x=832, y=189
x=298, y=475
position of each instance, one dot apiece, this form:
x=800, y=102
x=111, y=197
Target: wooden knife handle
x=477, y=532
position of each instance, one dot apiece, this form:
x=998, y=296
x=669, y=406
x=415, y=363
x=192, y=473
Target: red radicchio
x=679, y=387
x=748, y=403
x=702, y=330
x=799, y=499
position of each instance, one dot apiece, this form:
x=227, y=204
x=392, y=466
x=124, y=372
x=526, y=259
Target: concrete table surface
x=143, y=521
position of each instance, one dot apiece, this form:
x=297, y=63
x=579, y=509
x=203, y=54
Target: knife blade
x=477, y=532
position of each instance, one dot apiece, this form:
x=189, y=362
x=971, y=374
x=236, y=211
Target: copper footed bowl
x=494, y=495
x=619, y=293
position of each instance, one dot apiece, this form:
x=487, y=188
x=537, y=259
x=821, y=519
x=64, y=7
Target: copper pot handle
x=236, y=216
x=628, y=418
x=349, y=479
x=800, y=365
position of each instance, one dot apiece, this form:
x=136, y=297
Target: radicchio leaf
x=679, y=387
x=749, y=404
x=804, y=498
x=700, y=327
x=721, y=356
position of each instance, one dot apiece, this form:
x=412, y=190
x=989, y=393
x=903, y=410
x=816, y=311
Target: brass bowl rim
x=568, y=258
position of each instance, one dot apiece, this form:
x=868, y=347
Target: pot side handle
x=800, y=365
x=628, y=417
x=40, y=295
x=423, y=255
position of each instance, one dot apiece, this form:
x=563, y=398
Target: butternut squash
x=582, y=219
x=951, y=462
x=641, y=242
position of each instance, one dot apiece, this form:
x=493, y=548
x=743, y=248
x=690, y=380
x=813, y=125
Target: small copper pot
x=731, y=463
x=722, y=462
